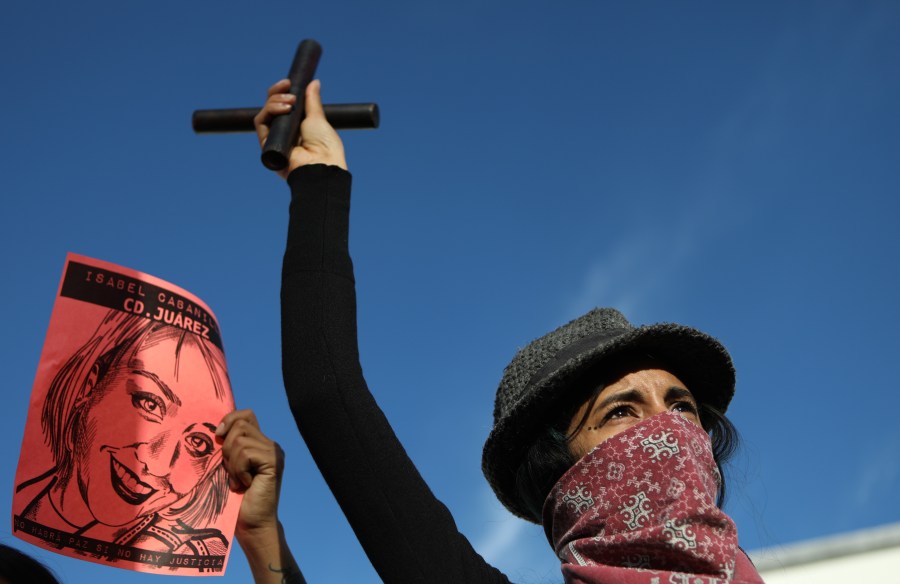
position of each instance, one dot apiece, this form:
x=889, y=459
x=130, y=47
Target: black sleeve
x=408, y=535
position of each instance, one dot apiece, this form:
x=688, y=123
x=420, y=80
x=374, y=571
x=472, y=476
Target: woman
x=254, y=465
x=142, y=463
x=601, y=429
x=127, y=419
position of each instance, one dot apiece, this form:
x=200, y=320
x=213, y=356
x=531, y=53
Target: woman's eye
x=198, y=445
x=618, y=412
x=149, y=404
x=685, y=406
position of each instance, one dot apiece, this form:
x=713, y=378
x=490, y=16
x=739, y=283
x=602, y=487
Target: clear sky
x=731, y=166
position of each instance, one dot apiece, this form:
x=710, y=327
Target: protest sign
x=119, y=462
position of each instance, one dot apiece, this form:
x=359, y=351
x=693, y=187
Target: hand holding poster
x=119, y=462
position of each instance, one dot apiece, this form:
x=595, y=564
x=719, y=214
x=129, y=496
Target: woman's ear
x=91, y=381
x=97, y=375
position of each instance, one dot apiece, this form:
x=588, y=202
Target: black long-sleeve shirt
x=407, y=533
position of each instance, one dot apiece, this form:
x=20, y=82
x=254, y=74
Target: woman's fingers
x=246, y=451
x=318, y=143
x=248, y=462
x=280, y=86
x=313, y=103
x=279, y=102
x=229, y=420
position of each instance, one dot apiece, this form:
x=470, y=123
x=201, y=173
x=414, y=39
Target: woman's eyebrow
x=629, y=395
x=207, y=425
x=160, y=383
x=674, y=393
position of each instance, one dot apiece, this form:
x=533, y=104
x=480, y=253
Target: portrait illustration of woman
x=130, y=421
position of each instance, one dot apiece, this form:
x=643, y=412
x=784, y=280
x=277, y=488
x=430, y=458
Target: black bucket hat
x=539, y=378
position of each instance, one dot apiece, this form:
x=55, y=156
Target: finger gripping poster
x=119, y=463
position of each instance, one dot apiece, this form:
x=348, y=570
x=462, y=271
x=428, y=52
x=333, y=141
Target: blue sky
x=731, y=167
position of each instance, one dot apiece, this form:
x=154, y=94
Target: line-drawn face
x=149, y=434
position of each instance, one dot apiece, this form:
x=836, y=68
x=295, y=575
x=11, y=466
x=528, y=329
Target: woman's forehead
x=178, y=363
x=645, y=378
x=614, y=370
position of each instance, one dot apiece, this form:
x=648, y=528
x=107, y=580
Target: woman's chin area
x=124, y=497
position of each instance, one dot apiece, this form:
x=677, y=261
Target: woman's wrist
x=268, y=554
x=260, y=538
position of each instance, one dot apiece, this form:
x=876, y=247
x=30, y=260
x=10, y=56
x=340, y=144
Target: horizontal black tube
x=342, y=116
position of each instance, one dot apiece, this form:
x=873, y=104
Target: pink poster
x=119, y=462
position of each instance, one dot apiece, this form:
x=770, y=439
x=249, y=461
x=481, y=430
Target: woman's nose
x=656, y=407
x=158, y=454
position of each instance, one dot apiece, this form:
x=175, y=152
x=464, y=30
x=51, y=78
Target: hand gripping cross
x=285, y=129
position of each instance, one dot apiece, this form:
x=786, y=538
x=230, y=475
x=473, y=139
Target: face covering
x=641, y=508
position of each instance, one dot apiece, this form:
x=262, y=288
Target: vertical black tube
x=285, y=130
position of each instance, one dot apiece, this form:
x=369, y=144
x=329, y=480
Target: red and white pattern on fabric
x=641, y=508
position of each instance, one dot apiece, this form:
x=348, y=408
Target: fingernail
x=220, y=429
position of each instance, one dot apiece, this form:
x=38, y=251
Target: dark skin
x=255, y=465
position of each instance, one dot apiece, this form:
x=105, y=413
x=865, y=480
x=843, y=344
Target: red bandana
x=640, y=508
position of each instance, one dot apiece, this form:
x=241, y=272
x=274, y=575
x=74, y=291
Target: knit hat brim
x=698, y=359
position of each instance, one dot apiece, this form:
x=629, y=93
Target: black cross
x=285, y=129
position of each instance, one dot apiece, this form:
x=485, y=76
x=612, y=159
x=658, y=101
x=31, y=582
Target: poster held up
x=119, y=463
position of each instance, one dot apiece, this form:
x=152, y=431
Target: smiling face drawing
x=148, y=438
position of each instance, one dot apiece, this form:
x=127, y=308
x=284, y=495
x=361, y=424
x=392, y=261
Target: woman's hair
x=549, y=456
x=117, y=339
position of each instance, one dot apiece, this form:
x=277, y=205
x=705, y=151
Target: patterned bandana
x=640, y=508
